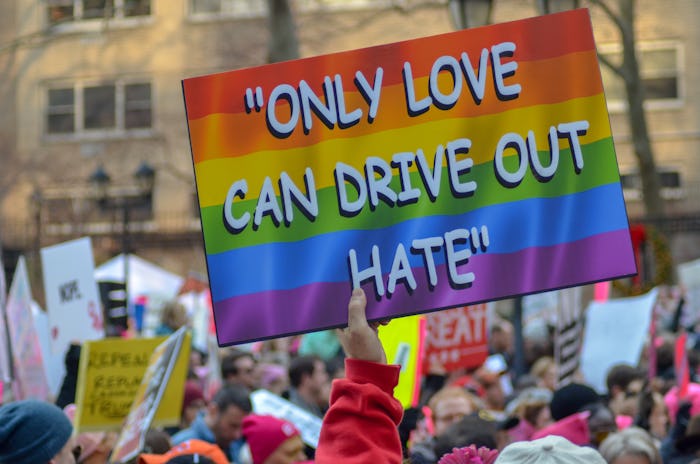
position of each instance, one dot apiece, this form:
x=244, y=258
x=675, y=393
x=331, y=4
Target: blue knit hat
x=32, y=431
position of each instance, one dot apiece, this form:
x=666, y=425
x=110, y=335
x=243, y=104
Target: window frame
x=80, y=132
x=80, y=24
x=619, y=105
x=227, y=11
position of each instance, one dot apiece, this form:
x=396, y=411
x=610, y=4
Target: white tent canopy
x=145, y=278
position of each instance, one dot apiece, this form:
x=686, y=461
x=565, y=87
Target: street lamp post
x=144, y=177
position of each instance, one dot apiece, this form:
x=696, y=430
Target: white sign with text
x=72, y=297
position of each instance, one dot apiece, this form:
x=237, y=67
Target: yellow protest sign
x=109, y=376
x=403, y=343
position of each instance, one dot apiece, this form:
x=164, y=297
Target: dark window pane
x=206, y=6
x=60, y=97
x=61, y=123
x=670, y=179
x=99, y=107
x=137, y=110
x=629, y=181
x=61, y=111
x=98, y=9
x=60, y=13
x=137, y=7
x=661, y=88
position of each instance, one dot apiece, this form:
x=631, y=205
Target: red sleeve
x=361, y=426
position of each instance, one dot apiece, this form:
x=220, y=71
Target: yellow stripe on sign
x=214, y=177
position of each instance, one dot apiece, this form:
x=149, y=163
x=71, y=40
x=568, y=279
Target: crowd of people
x=477, y=416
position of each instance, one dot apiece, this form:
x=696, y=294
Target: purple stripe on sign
x=498, y=276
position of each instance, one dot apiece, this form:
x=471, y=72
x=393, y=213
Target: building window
x=107, y=108
x=62, y=11
x=61, y=111
x=256, y=8
x=137, y=106
x=660, y=70
x=669, y=180
x=239, y=8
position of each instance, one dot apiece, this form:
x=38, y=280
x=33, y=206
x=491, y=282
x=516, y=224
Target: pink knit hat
x=574, y=428
x=672, y=400
x=264, y=434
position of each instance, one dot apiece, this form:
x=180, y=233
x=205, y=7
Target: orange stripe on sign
x=544, y=82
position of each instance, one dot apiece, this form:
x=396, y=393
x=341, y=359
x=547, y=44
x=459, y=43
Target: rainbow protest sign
x=436, y=172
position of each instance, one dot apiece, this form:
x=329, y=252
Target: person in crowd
x=239, y=367
x=361, y=425
x=157, y=441
x=630, y=446
x=531, y=406
x=172, y=317
x=36, y=432
x=193, y=402
x=652, y=415
x=544, y=370
x=501, y=340
x=270, y=440
x=323, y=344
x=222, y=421
x=446, y=407
x=274, y=378
x=69, y=385
x=624, y=384
x=682, y=445
x=479, y=429
x=189, y=451
x=309, y=384
x=548, y=450
x=95, y=447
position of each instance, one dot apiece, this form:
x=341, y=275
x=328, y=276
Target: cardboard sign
x=161, y=369
x=403, y=341
x=110, y=373
x=29, y=376
x=309, y=426
x=72, y=298
x=614, y=333
x=420, y=170
x=457, y=338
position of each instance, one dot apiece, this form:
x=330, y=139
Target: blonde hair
x=174, y=315
x=631, y=441
x=455, y=392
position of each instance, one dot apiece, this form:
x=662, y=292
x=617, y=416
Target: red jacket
x=361, y=426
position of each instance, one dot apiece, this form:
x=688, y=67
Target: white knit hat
x=548, y=450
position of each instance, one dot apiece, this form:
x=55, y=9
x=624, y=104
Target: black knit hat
x=570, y=399
x=32, y=431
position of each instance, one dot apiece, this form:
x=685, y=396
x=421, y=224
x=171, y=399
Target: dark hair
x=157, y=442
x=190, y=459
x=230, y=360
x=300, y=366
x=470, y=430
x=233, y=395
x=621, y=375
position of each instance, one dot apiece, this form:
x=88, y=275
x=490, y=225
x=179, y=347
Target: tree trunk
x=651, y=187
x=283, y=43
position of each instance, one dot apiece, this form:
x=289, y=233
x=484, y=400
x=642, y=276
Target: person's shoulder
x=184, y=435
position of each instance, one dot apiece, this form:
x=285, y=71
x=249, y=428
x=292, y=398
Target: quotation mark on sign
x=254, y=101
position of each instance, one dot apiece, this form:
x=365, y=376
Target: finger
x=356, y=309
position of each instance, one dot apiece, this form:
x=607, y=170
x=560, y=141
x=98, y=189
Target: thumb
x=356, y=308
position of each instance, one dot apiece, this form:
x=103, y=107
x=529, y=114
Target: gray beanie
x=548, y=450
x=32, y=431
